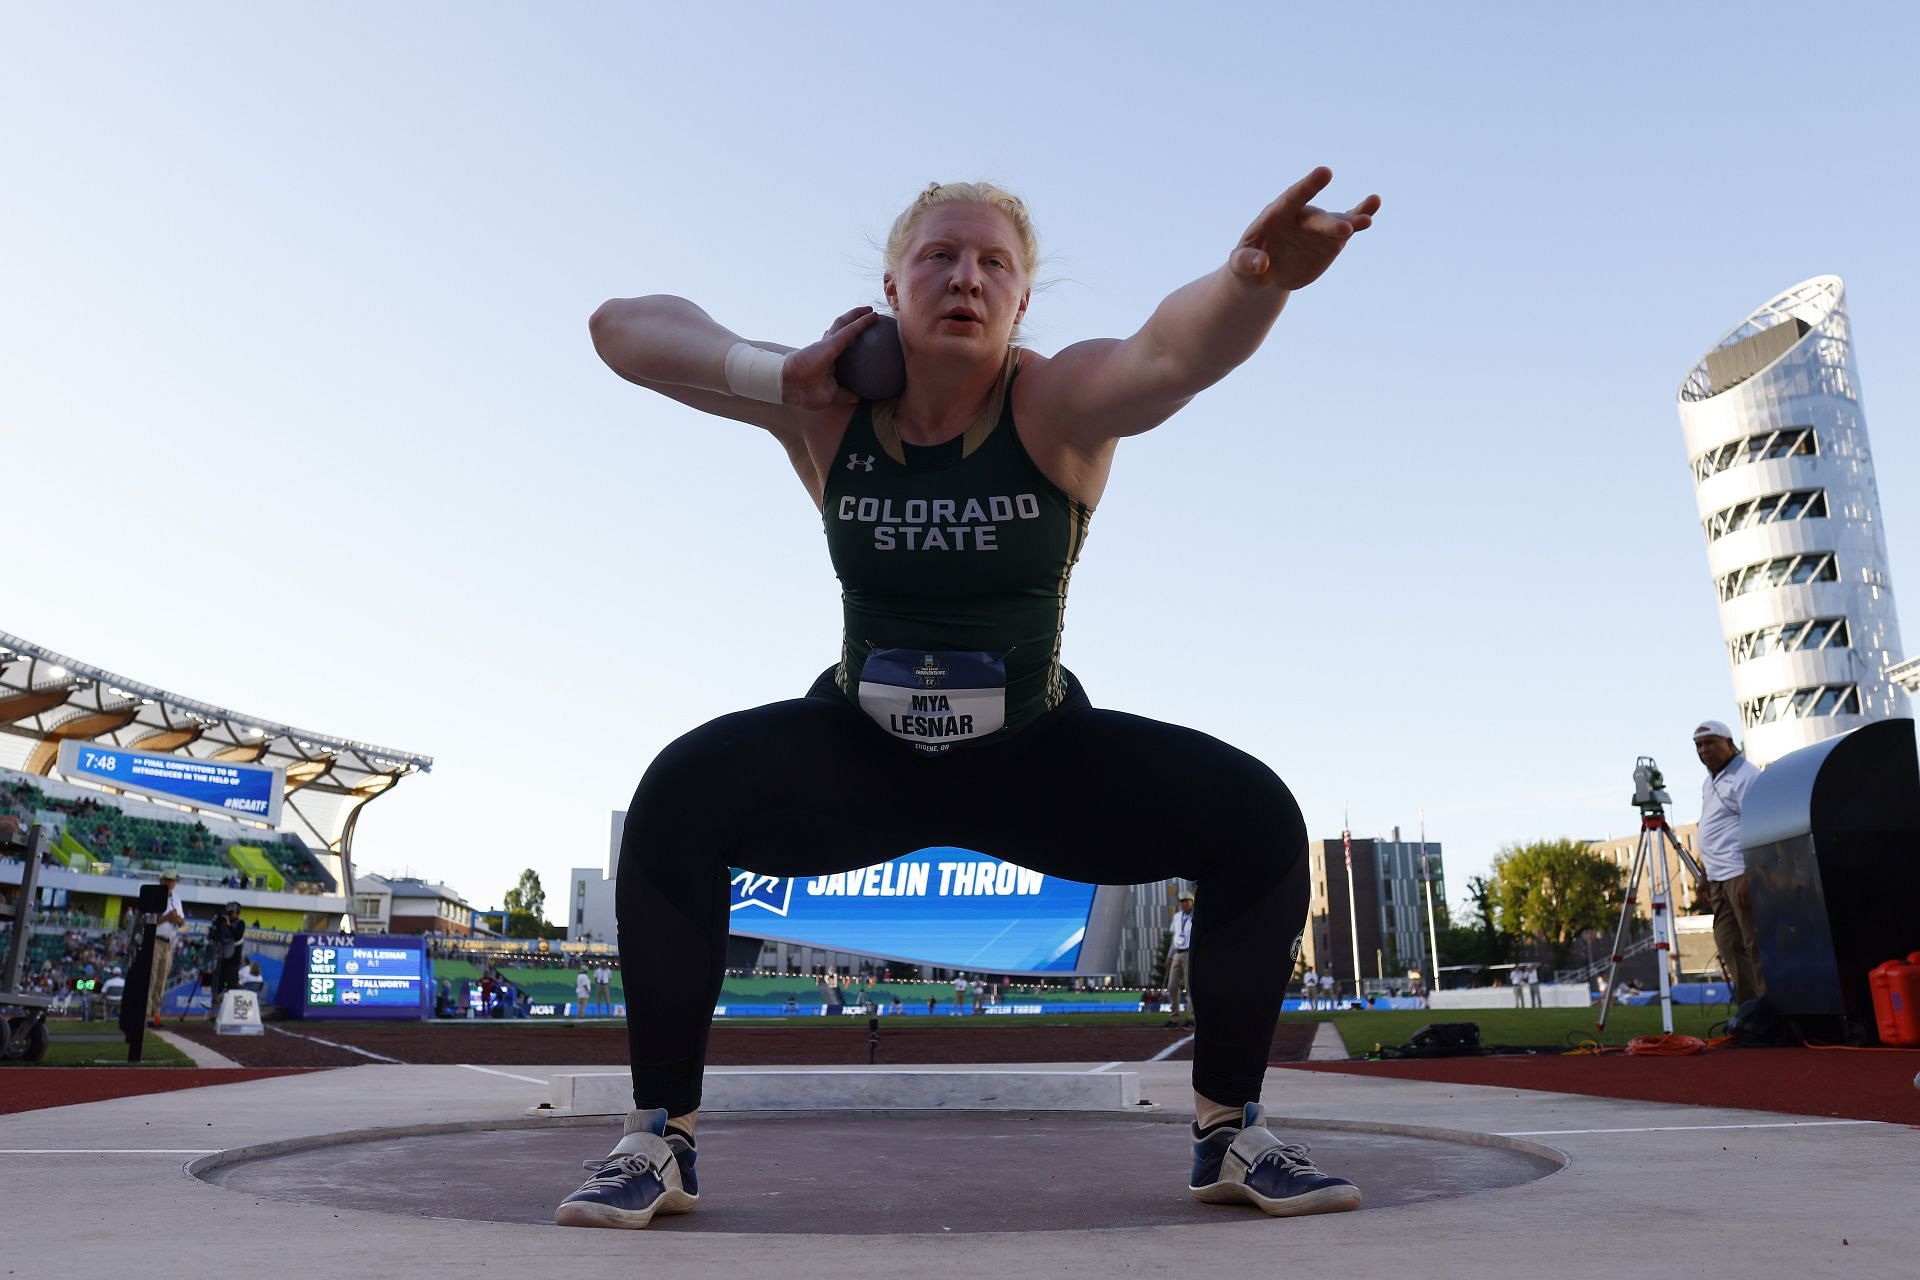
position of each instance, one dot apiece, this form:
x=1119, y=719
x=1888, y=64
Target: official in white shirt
x=1179, y=997
x=170, y=921
x=1722, y=796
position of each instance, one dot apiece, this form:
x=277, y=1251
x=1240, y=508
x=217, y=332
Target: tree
x=1478, y=940
x=1554, y=891
x=525, y=924
x=527, y=896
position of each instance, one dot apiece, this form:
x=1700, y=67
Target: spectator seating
x=42, y=948
x=455, y=971
x=804, y=991
x=97, y=834
x=542, y=986
x=299, y=865
x=909, y=992
x=253, y=863
x=69, y=851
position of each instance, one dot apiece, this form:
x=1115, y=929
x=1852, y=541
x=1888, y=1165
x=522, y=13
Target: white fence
x=1553, y=995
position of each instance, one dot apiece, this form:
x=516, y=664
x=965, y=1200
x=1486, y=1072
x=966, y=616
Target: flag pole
x=1426, y=874
x=1353, y=911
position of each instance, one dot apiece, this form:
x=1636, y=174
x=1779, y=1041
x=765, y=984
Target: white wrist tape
x=754, y=373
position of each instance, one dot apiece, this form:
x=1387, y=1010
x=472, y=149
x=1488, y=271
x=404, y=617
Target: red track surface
x=808, y=1043
x=1837, y=1083
x=31, y=1088
x=1828, y=1083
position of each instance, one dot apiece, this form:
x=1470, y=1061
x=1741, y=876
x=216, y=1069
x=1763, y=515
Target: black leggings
x=811, y=787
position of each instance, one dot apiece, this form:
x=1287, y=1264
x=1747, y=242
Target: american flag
x=1346, y=844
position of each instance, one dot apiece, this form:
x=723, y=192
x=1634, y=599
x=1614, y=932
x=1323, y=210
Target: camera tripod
x=1650, y=855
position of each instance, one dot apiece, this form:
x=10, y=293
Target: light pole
x=1426, y=875
x=1353, y=911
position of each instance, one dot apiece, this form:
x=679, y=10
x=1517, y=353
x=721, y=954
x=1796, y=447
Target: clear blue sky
x=299, y=414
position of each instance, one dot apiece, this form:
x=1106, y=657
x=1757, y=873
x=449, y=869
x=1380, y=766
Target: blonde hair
x=939, y=193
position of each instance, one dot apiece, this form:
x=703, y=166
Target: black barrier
x=1832, y=840
x=139, y=985
x=152, y=904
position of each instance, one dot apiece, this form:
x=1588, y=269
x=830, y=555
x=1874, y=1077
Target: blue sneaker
x=649, y=1171
x=1246, y=1164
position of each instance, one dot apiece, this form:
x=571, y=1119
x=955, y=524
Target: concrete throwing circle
x=868, y=1173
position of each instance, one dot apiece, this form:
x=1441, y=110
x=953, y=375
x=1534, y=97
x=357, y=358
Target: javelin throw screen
x=942, y=906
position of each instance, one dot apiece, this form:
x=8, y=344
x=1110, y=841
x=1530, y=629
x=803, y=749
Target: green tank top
x=953, y=562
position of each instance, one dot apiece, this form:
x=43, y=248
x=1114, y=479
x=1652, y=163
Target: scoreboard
x=331, y=975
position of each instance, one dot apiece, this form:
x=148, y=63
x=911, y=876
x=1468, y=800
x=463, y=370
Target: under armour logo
x=855, y=460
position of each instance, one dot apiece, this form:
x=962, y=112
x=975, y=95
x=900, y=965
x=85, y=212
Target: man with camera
x=1724, y=890
x=223, y=949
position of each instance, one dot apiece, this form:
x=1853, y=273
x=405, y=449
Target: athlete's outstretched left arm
x=1095, y=391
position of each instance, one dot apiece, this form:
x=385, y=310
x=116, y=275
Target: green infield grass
x=1363, y=1030
x=95, y=1044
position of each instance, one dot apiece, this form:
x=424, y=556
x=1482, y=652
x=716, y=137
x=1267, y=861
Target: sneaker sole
x=1325, y=1200
x=584, y=1213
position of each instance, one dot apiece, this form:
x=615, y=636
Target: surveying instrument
x=1656, y=837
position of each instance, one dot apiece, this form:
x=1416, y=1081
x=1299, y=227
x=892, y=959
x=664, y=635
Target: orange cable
x=1668, y=1046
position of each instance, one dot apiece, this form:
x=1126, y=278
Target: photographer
x=223, y=947
x=1722, y=796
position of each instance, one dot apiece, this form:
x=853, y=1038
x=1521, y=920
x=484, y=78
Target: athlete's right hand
x=806, y=379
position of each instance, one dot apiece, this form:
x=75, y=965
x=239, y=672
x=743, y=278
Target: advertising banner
x=941, y=906
x=237, y=790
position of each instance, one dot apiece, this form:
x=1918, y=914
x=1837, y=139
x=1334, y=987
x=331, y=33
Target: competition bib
x=934, y=700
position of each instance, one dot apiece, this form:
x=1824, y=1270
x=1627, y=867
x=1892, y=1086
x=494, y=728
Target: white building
x=1783, y=476
x=590, y=892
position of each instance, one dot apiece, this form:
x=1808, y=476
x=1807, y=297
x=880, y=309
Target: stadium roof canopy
x=47, y=698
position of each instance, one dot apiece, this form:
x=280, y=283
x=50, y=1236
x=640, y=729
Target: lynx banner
x=942, y=906
x=237, y=790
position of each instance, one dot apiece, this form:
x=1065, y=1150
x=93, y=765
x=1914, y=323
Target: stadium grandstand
x=106, y=835
x=47, y=698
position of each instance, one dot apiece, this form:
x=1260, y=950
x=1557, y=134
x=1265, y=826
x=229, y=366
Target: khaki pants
x=1179, y=996
x=162, y=970
x=1733, y=935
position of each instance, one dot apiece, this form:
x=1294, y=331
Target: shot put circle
x=865, y=1173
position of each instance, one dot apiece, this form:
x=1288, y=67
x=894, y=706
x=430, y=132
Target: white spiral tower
x=1784, y=480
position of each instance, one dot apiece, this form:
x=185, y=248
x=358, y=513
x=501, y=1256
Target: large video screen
x=330, y=975
x=238, y=790
x=941, y=906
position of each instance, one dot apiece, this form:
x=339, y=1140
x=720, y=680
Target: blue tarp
x=1684, y=993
